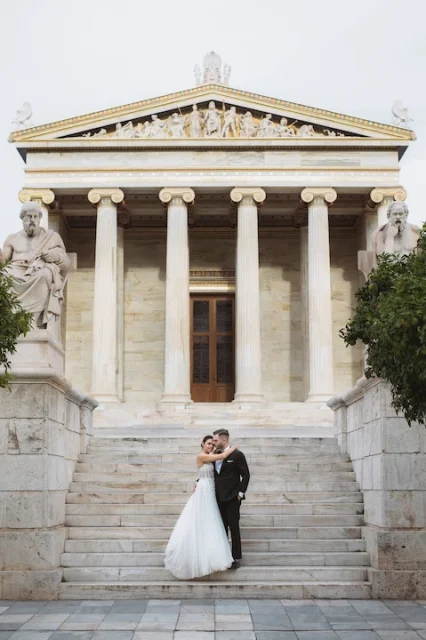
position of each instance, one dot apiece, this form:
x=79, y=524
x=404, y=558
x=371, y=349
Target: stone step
x=180, y=476
x=118, y=485
x=341, y=545
x=194, y=449
x=86, y=496
x=245, y=574
x=355, y=508
x=258, y=533
x=193, y=438
x=267, y=466
x=250, y=559
x=246, y=520
x=212, y=589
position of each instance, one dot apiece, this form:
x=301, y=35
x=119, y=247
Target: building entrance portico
x=182, y=207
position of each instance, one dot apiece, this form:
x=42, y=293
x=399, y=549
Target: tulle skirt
x=198, y=545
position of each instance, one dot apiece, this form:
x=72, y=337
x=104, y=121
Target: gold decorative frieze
x=211, y=280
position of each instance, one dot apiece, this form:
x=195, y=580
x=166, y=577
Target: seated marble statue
x=397, y=236
x=37, y=263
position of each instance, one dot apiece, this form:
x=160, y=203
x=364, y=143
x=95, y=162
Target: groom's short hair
x=221, y=432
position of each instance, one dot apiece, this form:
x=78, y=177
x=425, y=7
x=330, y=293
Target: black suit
x=233, y=478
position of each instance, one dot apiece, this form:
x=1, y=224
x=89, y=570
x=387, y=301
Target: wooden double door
x=212, y=348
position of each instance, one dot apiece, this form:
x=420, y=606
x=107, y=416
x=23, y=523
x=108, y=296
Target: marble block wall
x=389, y=460
x=44, y=425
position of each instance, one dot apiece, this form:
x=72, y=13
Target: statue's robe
x=39, y=285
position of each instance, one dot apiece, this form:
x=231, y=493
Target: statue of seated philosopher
x=397, y=237
x=37, y=262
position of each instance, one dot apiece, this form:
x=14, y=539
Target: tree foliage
x=390, y=319
x=14, y=321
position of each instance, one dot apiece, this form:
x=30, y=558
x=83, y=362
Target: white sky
x=74, y=57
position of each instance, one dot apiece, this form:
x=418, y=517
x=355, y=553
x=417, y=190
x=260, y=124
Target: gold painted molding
x=203, y=169
x=96, y=195
x=186, y=194
x=395, y=193
x=46, y=196
x=326, y=193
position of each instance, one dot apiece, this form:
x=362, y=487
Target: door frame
x=212, y=324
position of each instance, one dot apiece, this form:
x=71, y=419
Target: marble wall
x=282, y=336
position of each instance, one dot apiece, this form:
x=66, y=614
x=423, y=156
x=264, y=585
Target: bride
x=199, y=545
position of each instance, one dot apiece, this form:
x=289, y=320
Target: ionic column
x=383, y=198
x=319, y=294
x=247, y=338
x=43, y=197
x=104, y=361
x=177, y=387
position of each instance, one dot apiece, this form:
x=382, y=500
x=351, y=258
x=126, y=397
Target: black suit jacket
x=234, y=477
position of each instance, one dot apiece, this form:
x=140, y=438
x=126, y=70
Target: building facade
x=214, y=235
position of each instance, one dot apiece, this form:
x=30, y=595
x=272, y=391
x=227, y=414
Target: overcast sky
x=71, y=58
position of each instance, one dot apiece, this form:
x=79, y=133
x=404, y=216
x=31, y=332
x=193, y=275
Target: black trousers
x=230, y=512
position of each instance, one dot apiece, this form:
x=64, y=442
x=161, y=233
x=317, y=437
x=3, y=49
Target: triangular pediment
x=235, y=114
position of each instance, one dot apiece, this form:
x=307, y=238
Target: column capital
x=186, y=194
x=255, y=193
x=46, y=196
x=326, y=193
x=380, y=193
x=96, y=195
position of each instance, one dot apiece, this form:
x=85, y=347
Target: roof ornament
x=23, y=116
x=400, y=115
x=212, y=70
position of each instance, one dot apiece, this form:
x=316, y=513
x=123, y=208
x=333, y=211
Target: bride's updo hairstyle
x=205, y=440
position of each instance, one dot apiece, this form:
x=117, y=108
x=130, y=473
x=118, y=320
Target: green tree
x=14, y=321
x=390, y=319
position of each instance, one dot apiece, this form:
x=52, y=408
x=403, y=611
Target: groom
x=231, y=479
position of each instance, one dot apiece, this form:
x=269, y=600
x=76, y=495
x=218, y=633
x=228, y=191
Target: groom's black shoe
x=235, y=565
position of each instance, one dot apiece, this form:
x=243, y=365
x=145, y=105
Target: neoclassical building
x=214, y=235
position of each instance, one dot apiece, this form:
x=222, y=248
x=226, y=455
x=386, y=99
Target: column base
x=169, y=400
x=248, y=398
x=319, y=397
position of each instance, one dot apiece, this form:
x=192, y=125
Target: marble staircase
x=301, y=522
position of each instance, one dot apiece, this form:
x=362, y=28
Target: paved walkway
x=213, y=620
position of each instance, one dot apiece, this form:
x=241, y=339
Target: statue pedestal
x=44, y=426
x=39, y=349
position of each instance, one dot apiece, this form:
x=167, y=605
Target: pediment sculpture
x=214, y=122
x=37, y=263
x=397, y=237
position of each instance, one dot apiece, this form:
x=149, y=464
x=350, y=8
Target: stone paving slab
x=213, y=620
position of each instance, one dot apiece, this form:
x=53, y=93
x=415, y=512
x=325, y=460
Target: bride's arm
x=212, y=457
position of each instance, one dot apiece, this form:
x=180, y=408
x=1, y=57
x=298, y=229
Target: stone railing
x=389, y=460
x=44, y=425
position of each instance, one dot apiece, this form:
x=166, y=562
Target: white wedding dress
x=198, y=545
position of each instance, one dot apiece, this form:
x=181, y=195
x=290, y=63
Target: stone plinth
x=44, y=425
x=39, y=349
x=389, y=460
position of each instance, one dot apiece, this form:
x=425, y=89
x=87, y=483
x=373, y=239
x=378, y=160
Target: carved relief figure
x=157, y=127
x=247, y=126
x=212, y=121
x=230, y=120
x=38, y=264
x=267, y=128
x=195, y=120
x=397, y=236
x=212, y=67
x=283, y=130
x=176, y=126
x=306, y=131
